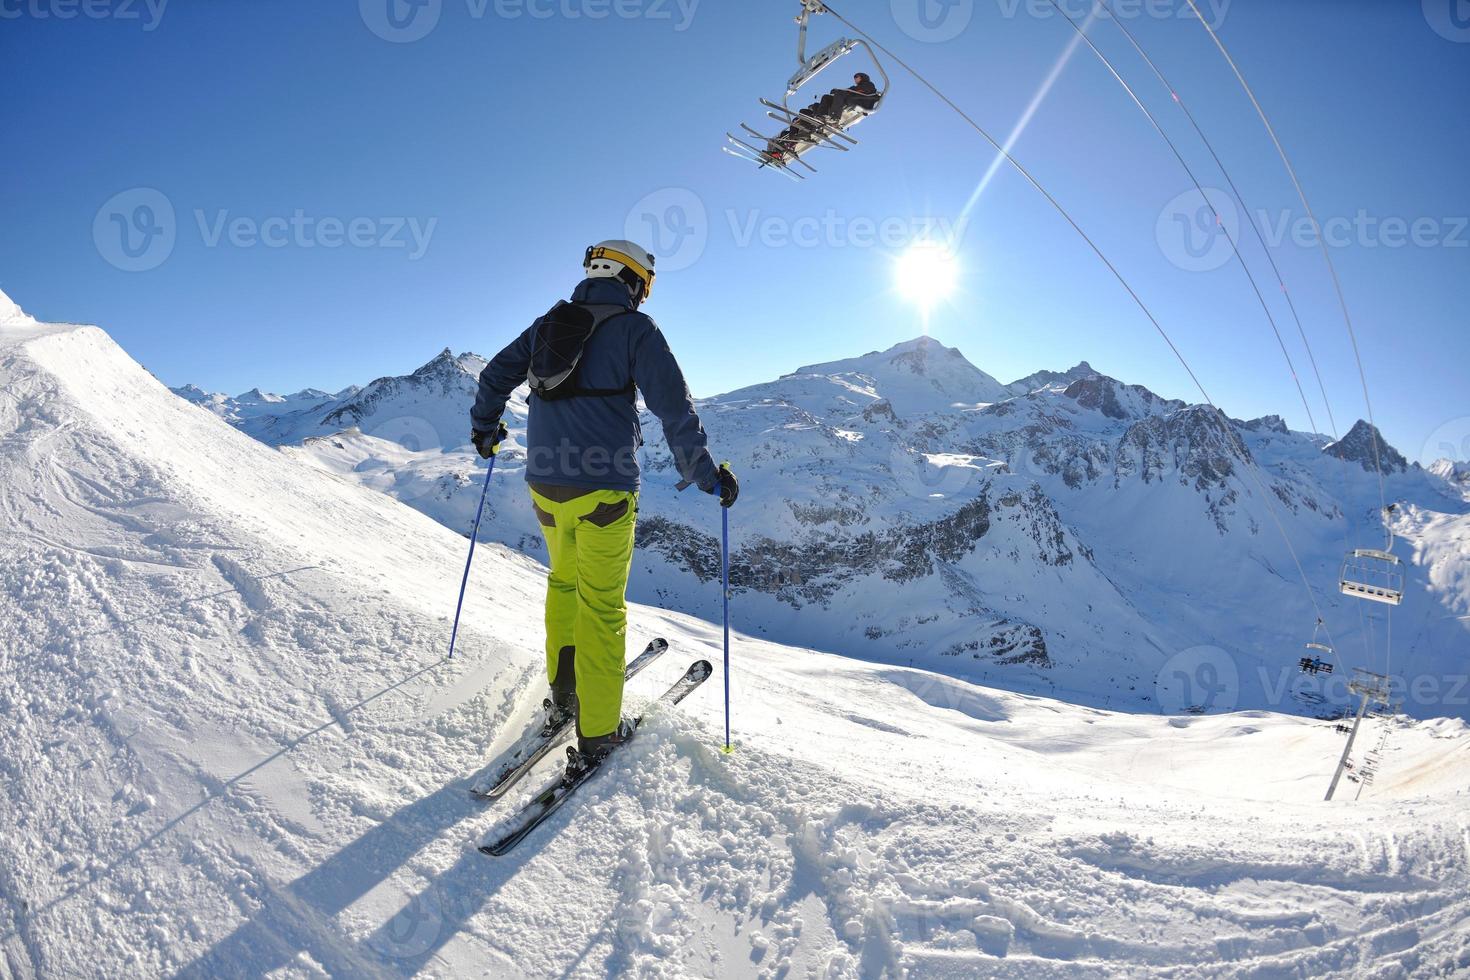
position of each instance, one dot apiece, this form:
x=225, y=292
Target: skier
x=830, y=107
x=586, y=360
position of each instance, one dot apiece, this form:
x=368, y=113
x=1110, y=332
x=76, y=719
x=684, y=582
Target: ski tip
x=701, y=669
x=488, y=851
x=658, y=643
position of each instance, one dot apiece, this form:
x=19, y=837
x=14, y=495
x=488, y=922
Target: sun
x=926, y=273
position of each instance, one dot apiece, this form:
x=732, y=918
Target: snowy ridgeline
x=232, y=747
x=1066, y=534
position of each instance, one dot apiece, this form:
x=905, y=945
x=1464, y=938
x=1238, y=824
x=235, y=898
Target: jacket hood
x=602, y=291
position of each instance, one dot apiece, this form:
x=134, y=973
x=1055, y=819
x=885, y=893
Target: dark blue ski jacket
x=592, y=442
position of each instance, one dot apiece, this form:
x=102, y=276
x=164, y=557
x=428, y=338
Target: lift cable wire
x=1194, y=179
x=1331, y=268
x=1270, y=258
x=1234, y=244
x=1249, y=460
x=1245, y=209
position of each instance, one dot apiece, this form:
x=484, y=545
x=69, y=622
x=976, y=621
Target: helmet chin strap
x=634, y=283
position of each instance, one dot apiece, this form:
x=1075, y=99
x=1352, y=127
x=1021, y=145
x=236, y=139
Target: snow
x=233, y=747
x=1071, y=538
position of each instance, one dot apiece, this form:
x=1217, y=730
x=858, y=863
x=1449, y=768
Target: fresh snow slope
x=232, y=747
x=1067, y=534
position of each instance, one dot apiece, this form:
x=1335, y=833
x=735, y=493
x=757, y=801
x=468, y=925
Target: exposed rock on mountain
x=1358, y=447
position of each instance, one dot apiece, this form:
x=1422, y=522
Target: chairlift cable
x=1245, y=209
x=1332, y=270
x=1219, y=220
x=1251, y=465
x=1265, y=249
x=1321, y=241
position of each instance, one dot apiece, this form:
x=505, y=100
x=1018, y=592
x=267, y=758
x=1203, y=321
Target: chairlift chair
x=1375, y=575
x=1313, y=663
x=809, y=131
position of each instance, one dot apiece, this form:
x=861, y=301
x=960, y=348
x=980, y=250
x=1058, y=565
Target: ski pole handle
x=474, y=536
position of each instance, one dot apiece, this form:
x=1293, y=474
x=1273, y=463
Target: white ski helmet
x=623, y=260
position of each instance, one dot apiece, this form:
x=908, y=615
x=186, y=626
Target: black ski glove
x=728, y=487
x=487, y=441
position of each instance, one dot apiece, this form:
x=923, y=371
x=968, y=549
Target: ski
x=545, y=803
x=533, y=750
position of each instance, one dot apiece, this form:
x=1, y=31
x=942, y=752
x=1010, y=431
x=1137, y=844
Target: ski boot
x=589, y=753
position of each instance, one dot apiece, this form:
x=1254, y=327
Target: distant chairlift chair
x=1313, y=663
x=1377, y=576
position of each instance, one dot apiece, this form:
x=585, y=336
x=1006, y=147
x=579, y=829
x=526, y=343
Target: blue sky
x=345, y=205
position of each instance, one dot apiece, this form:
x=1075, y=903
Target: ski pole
x=725, y=595
x=474, y=536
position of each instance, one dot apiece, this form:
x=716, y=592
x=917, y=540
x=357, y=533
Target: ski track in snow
x=233, y=747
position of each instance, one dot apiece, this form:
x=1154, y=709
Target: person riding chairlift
x=862, y=95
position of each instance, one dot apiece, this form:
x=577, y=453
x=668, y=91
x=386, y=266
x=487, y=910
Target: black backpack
x=558, y=342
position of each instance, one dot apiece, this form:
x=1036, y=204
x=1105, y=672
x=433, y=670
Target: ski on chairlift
x=826, y=121
x=1378, y=576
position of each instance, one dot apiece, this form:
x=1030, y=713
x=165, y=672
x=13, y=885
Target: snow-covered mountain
x=1455, y=472
x=233, y=748
x=241, y=410
x=1067, y=533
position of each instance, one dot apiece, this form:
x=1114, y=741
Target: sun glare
x=926, y=273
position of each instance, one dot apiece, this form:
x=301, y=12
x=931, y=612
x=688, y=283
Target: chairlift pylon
x=805, y=130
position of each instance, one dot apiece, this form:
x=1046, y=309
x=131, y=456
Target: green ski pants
x=589, y=536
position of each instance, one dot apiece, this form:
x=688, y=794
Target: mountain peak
x=444, y=363
x=10, y=311
x=1358, y=447
x=257, y=396
x=916, y=376
x=1046, y=379
x=1117, y=400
